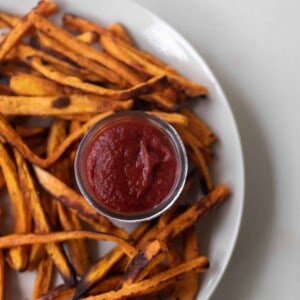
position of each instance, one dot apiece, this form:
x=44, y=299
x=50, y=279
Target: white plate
x=219, y=231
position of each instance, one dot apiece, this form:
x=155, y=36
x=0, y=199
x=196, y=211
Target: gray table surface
x=253, y=47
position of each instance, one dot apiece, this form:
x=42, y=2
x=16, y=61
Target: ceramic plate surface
x=217, y=232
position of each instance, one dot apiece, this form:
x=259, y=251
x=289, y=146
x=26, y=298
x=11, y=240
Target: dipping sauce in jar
x=131, y=166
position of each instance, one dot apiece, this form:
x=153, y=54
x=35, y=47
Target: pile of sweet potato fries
x=68, y=78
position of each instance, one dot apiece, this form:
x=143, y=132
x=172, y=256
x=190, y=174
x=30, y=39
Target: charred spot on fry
x=61, y=102
x=4, y=79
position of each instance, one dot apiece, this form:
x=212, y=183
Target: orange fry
x=145, y=260
x=25, y=84
x=198, y=128
x=190, y=278
x=17, y=256
x=24, y=51
x=119, y=30
x=192, y=214
x=80, y=24
x=80, y=60
x=153, y=84
x=160, y=99
x=201, y=165
x=59, y=105
x=13, y=240
x=43, y=278
x=43, y=7
x=130, y=57
x=199, y=264
x=68, y=220
x=9, y=20
x=80, y=48
x=42, y=224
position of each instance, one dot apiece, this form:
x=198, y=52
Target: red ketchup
x=130, y=166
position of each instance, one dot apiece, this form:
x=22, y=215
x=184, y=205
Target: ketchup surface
x=131, y=166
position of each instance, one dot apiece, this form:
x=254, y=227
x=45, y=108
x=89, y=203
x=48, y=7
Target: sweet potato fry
x=2, y=276
x=55, y=251
x=199, y=264
x=60, y=105
x=101, y=268
x=192, y=214
x=154, y=84
x=201, y=164
x=106, y=74
x=123, y=51
x=102, y=58
x=37, y=252
x=9, y=20
x=198, y=128
x=60, y=292
x=19, y=239
x=78, y=249
x=172, y=118
x=152, y=59
x=80, y=24
x=74, y=125
x=65, y=293
x=43, y=278
x=14, y=139
x=160, y=99
x=2, y=24
x=43, y=7
x=68, y=220
x=190, y=279
x=76, y=203
x=199, y=153
x=17, y=256
x=189, y=138
x=107, y=284
x=24, y=51
x=149, y=235
x=31, y=85
x=150, y=256
x=80, y=48
x=10, y=68
x=170, y=214
x=119, y=30
x=126, y=73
